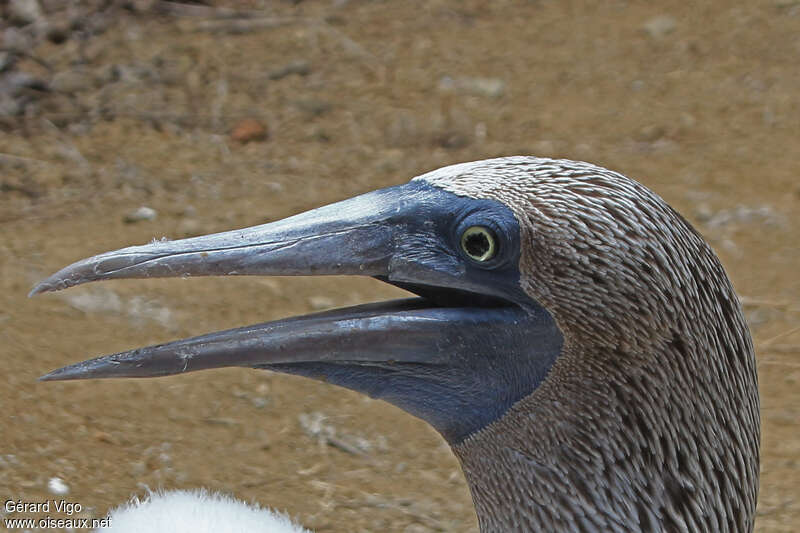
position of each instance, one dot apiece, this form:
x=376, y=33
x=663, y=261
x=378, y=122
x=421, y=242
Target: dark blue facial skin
x=477, y=387
x=478, y=383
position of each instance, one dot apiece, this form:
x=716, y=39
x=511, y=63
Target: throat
x=605, y=451
x=524, y=481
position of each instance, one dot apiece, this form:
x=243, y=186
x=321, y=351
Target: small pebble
x=650, y=133
x=22, y=12
x=72, y=81
x=142, y=6
x=248, y=129
x=15, y=39
x=143, y=213
x=637, y=85
x=489, y=87
x=7, y=60
x=319, y=303
x=300, y=67
x=57, y=486
x=58, y=31
x=659, y=27
x=103, y=436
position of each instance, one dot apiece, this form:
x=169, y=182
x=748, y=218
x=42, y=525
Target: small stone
x=58, y=31
x=143, y=213
x=319, y=303
x=16, y=82
x=103, y=436
x=142, y=6
x=57, y=486
x=259, y=402
x=660, y=26
x=22, y=12
x=15, y=39
x=7, y=60
x=301, y=68
x=650, y=133
x=9, y=460
x=637, y=85
x=488, y=87
x=72, y=81
x=248, y=129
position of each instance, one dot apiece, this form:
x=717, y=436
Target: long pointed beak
x=349, y=237
x=400, y=331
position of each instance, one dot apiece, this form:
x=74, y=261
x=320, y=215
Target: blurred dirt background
x=125, y=121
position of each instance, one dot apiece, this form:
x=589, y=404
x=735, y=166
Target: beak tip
x=51, y=376
x=39, y=288
x=53, y=283
x=62, y=279
x=83, y=370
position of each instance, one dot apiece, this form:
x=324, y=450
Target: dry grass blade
x=748, y=301
x=181, y=9
x=238, y=26
x=11, y=158
x=353, y=48
x=405, y=506
x=769, y=342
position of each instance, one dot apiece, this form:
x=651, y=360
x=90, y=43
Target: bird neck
x=602, y=447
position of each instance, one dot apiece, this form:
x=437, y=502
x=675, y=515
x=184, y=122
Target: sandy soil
x=137, y=108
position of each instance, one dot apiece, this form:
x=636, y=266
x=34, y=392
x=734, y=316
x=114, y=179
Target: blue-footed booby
x=576, y=342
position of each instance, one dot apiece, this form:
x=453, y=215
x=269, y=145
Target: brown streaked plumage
x=648, y=420
x=591, y=369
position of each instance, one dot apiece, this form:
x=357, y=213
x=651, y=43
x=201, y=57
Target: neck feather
x=647, y=445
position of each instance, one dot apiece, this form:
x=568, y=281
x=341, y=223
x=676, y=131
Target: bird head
x=512, y=260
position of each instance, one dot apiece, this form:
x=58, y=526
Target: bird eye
x=479, y=243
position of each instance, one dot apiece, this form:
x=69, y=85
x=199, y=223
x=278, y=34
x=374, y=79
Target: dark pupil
x=477, y=244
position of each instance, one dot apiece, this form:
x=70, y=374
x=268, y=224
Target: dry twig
x=758, y=302
x=769, y=342
x=181, y=9
x=238, y=26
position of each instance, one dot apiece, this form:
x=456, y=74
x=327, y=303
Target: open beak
x=379, y=234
